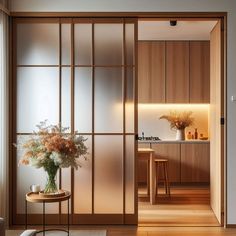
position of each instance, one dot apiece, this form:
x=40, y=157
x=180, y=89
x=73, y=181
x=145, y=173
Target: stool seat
x=161, y=160
x=162, y=163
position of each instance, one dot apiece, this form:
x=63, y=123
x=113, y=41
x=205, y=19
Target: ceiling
x=184, y=30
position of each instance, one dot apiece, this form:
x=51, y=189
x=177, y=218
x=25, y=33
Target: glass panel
x=37, y=97
x=26, y=176
x=83, y=44
x=66, y=185
x=66, y=98
x=65, y=44
x=83, y=182
x=108, y=100
x=108, y=174
x=108, y=44
x=83, y=99
x=129, y=105
x=129, y=174
x=129, y=40
x=38, y=44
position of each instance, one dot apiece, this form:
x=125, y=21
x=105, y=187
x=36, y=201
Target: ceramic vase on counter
x=180, y=134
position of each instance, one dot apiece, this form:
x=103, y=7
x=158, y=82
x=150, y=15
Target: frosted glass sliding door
x=80, y=73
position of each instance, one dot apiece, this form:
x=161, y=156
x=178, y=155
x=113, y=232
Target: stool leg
x=157, y=178
x=148, y=181
x=167, y=179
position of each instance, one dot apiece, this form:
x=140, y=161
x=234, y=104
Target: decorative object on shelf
x=52, y=148
x=35, y=188
x=179, y=121
x=59, y=193
x=189, y=136
x=180, y=134
x=195, y=134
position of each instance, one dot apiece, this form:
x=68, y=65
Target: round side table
x=37, y=198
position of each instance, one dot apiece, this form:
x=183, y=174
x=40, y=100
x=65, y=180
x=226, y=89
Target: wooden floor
x=187, y=206
x=170, y=231
x=156, y=231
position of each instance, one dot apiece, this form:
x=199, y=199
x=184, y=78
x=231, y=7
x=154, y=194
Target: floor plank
x=157, y=231
x=187, y=206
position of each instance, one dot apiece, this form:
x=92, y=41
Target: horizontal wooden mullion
x=78, y=219
x=82, y=20
x=75, y=65
x=84, y=133
x=38, y=66
x=66, y=20
x=37, y=20
x=104, y=65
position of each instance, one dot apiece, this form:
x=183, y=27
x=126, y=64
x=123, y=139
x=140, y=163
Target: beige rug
x=58, y=233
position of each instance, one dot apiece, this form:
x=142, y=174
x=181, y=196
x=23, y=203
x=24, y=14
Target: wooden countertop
x=174, y=141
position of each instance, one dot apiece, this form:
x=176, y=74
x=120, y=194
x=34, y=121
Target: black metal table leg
x=43, y=218
x=26, y=213
x=68, y=216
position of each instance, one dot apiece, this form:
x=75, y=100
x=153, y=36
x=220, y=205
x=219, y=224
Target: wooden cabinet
x=199, y=71
x=177, y=72
x=195, y=163
x=188, y=162
x=174, y=71
x=172, y=153
x=151, y=72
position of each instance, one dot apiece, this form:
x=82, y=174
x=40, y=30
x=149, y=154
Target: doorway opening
x=180, y=73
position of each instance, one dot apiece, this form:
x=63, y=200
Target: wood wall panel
x=195, y=163
x=151, y=72
x=177, y=72
x=199, y=71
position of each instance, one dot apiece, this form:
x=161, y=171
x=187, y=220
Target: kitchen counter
x=174, y=141
x=189, y=161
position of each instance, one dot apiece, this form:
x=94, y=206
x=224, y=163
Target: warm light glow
x=172, y=106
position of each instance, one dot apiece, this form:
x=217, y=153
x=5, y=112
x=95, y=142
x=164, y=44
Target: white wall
x=168, y=6
x=151, y=125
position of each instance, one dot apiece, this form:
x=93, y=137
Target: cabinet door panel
x=172, y=153
x=195, y=163
x=151, y=72
x=200, y=72
x=177, y=72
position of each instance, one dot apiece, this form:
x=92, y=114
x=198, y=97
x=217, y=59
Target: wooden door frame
x=187, y=16
x=222, y=17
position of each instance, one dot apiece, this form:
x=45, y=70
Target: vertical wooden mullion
x=124, y=117
x=13, y=135
x=189, y=71
x=165, y=98
x=60, y=111
x=93, y=90
x=72, y=112
x=135, y=87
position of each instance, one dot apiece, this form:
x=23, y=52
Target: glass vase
x=51, y=186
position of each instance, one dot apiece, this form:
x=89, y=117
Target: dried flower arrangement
x=52, y=148
x=179, y=120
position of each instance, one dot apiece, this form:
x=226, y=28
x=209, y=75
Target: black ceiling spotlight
x=173, y=23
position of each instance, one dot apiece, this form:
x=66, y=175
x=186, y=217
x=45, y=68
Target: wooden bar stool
x=162, y=164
